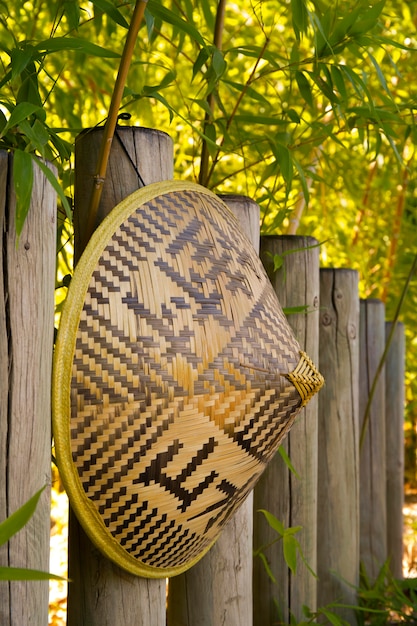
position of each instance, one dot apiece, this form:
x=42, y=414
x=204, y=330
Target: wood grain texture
x=100, y=593
x=292, y=500
x=338, y=443
x=28, y=316
x=373, y=514
x=218, y=589
x=138, y=155
x=394, y=424
x=4, y=383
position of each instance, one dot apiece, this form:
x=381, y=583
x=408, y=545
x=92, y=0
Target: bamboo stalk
x=111, y=122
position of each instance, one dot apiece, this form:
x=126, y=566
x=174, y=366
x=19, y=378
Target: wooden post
x=218, y=589
x=394, y=424
x=338, y=442
x=292, y=499
x=100, y=594
x=373, y=514
x=26, y=344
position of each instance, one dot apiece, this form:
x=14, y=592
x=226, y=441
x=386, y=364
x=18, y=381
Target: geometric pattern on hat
x=172, y=384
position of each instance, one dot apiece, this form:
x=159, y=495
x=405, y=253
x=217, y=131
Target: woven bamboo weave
x=176, y=376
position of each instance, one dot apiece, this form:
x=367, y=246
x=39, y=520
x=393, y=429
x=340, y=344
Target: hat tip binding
x=305, y=378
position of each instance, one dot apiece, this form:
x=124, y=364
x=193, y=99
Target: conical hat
x=176, y=376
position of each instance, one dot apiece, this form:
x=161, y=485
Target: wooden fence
x=347, y=499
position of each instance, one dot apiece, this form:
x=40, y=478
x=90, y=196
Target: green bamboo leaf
x=20, y=59
x=111, y=11
x=29, y=89
x=210, y=134
x=72, y=12
x=158, y=10
x=273, y=522
x=218, y=63
x=202, y=58
x=338, y=81
x=20, y=573
x=164, y=101
x=343, y=25
x=293, y=115
x=284, y=159
x=55, y=184
x=21, y=111
x=37, y=134
x=282, y=452
x=304, y=87
x=254, y=52
x=267, y=567
x=303, y=181
x=203, y=104
x=369, y=19
x=380, y=74
x=23, y=184
x=59, y=44
x=290, y=545
x=299, y=17
x=249, y=91
x=333, y=618
x=322, y=33
x=149, y=90
x=263, y=120
x=19, y=518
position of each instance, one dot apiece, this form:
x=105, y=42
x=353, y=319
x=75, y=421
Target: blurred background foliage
x=307, y=106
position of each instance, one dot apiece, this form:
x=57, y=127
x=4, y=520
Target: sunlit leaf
x=112, y=11
x=267, y=567
x=55, y=184
x=22, y=111
x=60, y=44
x=282, y=452
x=23, y=184
x=304, y=87
x=299, y=17
x=21, y=573
x=202, y=58
x=158, y=10
x=273, y=522
x=290, y=546
x=72, y=13
x=19, y=518
x=218, y=63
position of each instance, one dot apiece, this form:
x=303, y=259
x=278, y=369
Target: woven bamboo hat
x=176, y=376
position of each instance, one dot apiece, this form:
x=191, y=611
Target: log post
x=218, y=589
x=100, y=594
x=291, y=498
x=373, y=513
x=338, y=441
x=26, y=344
x=394, y=424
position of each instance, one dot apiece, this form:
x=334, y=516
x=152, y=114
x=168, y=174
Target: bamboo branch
x=218, y=42
x=395, y=232
x=235, y=108
x=111, y=122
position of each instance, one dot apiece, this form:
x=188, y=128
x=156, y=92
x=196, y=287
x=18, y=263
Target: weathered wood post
x=292, y=499
x=218, y=589
x=394, y=424
x=26, y=342
x=338, y=441
x=99, y=592
x=373, y=513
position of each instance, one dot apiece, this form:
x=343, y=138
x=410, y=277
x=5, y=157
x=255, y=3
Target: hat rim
x=82, y=506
